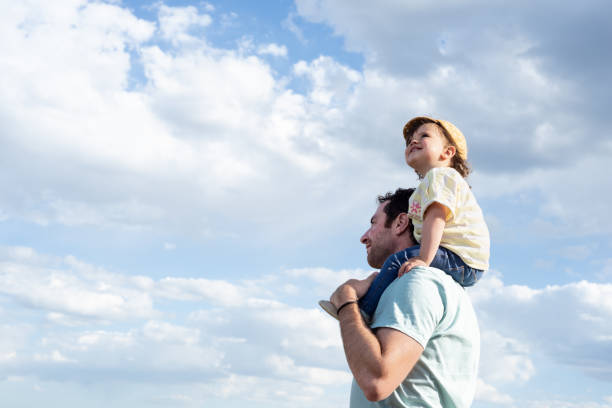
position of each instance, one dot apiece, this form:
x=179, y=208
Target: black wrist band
x=350, y=302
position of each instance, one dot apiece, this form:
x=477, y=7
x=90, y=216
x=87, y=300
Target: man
x=422, y=347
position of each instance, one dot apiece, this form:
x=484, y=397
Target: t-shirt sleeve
x=440, y=185
x=412, y=305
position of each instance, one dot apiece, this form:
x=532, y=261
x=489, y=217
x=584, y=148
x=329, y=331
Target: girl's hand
x=409, y=264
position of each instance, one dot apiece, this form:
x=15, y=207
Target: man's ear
x=401, y=223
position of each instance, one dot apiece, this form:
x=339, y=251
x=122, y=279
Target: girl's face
x=428, y=148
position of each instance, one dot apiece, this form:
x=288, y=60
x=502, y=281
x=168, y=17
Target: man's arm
x=379, y=361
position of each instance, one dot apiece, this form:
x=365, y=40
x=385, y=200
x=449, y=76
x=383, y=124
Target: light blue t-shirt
x=429, y=306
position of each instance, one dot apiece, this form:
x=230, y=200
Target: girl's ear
x=448, y=152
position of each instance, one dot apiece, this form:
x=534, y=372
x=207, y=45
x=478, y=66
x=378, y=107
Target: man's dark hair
x=398, y=203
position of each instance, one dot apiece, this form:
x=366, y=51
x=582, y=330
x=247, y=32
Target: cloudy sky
x=182, y=181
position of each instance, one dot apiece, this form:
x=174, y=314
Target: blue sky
x=182, y=181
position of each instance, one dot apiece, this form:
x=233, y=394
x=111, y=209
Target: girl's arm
x=434, y=222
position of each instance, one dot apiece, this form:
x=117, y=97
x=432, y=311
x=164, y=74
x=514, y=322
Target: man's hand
x=352, y=289
x=409, y=264
x=379, y=360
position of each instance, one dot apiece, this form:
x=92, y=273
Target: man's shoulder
x=428, y=277
x=416, y=303
x=421, y=279
x=423, y=293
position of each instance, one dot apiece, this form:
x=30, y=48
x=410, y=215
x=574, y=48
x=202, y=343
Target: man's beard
x=377, y=257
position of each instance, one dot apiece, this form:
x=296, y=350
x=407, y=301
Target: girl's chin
x=412, y=163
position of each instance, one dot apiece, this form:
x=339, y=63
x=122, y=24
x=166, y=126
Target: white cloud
x=487, y=393
x=504, y=360
x=175, y=400
x=534, y=324
x=229, y=19
x=176, y=22
x=273, y=49
x=331, y=82
x=606, y=271
x=13, y=341
x=54, y=356
x=156, y=350
x=505, y=89
x=111, y=340
x=7, y=356
x=163, y=332
x=207, y=122
x=169, y=246
x=94, y=57
x=109, y=121
x=326, y=279
x=246, y=333
x=130, y=214
x=285, y=367
x=75, y=289
x=290, y=24
x=568, y=404
x=201, y=124
x=270, y=391
x=208, y=7
x=217, y=292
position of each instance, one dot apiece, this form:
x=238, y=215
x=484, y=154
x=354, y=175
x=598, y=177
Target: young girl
x=448, y=223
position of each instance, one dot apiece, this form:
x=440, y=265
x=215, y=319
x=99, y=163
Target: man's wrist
x=345, y=304
x=343, y=295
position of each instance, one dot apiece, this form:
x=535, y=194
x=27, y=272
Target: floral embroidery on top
x=415, y=208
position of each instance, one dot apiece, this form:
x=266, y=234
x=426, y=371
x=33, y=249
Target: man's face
x=378, y=240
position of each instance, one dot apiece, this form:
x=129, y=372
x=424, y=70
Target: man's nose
x=364, y=238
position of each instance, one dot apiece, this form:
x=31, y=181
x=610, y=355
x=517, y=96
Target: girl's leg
x=444, y=259
x=387, y=274
x=454, y=266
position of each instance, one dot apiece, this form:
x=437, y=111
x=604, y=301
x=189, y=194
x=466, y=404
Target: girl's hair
x=457, y=163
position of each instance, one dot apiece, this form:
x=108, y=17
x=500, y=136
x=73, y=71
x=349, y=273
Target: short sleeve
x=410, y=305
x=440, y=185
